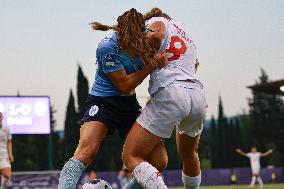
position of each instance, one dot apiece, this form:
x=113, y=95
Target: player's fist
x=11, y=158
x=238, y=150
x=161, y=59
x=270, y=150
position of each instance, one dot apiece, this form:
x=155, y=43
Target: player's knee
x=161, y=163
x=126, y=158
x=86, y=153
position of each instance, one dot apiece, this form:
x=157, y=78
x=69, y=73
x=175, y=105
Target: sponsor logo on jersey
x=109, y=61
x=109, y=64
x=93, y=110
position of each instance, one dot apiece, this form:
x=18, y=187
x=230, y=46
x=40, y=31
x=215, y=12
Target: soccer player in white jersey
x=254, y=157
x=177, y=100
x=6, y=155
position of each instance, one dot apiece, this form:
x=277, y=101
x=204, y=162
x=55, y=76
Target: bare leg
x=188, y=150
x=6, y=175
x=91, y=135
x=159, y=157
x=253, y=180
x=138, y=146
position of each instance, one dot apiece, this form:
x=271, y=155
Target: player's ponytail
x=131, y=38
x=155, y=12
x=101, y=27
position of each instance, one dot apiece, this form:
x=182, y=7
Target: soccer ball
x=96, y=184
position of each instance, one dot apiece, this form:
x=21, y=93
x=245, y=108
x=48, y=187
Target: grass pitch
x=266, y=186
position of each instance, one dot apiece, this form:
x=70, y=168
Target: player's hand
x=161, y=59
x=238, y=150
x=11, y=158
x=270, y=150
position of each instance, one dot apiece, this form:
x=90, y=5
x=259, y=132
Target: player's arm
x=126, y=83
x=10, y=150
x=268, y=152
x=239, y=151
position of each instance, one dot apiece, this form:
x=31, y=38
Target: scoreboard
x=27, y=114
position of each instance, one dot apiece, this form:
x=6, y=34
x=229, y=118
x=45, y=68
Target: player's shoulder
x=5, y=129
x=108, y=44
x=249, y=154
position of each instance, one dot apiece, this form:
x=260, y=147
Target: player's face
x=253, y=149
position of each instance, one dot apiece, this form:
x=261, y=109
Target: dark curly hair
x=130, y=30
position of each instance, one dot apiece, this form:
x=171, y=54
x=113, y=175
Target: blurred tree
x=25, y=152
x=221, y=135
x=215, y=160
x=267, y=113
x=225, y=136
x=71, y=128
x=57, y=144
x=82, y=91
x=31, y=152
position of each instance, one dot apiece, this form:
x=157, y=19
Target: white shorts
x=175, y=106
x=4, y=163
x=255, y=169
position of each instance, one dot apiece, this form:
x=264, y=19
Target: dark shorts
x=116, y=112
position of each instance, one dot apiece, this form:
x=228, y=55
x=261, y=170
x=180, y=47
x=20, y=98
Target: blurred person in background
x=125, y=58
x=234, y=178
x=273, y=177
x=177, y=101
x=6, y=154
x=254, y=157
x=124, y=177
x=92, y=175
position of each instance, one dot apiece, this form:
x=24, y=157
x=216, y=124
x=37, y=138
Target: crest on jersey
x=109, y=60
x=93, y=110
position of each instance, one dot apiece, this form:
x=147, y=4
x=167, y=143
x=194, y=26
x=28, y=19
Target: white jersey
x=254, y=161
x=5, y=135
x=181, y=53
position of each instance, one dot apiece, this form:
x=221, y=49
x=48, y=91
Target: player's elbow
x=124, y=89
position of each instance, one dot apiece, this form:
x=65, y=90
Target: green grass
x=266, y=186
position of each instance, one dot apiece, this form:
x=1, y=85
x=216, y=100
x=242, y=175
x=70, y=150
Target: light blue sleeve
x=109, y=59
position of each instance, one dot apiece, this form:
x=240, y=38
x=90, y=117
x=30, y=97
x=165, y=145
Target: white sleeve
x=248, y=154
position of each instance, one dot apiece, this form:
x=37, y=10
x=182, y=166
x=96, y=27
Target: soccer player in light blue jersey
x=124, y=60
x=177, y=101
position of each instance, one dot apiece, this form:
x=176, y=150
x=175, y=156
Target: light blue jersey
x=110, y=59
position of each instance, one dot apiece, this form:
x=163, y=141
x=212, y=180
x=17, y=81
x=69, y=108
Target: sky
x=42, y=43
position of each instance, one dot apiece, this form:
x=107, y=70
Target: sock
x=70, y=174
x=259, y=180
x=133, y=184
x=253, y=179
x=191, y=182
x=4, y=182
x=148, y=176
